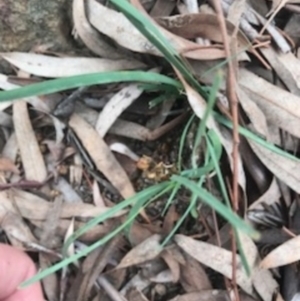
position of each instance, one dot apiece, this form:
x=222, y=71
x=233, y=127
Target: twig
x=233, y=101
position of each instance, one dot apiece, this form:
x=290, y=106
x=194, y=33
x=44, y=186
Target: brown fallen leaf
x=283, y=254
x=32, y=159
x=102, y=155
x=193, y=276
x=145, y=251
x=216, y=258
x=33, y=207
x=120, y=29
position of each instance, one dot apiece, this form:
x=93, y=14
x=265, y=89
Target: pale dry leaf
x=262, y=279
x=33, y=207
x=123, y=149
x=10, y=149
x=164, y=276
x=115, y=106
x=210, y=295
x=32, y=159
x=285, y=169
x=97, y=197
x=254, y=113
x=69, y=232
x=283, y=254
x=76, y=171
x=216, y=258
x=271, y=196
x=70, y=195
x=50, y=283
x=15, y=228
x=145, y=251
x=191, y=26
x=89, y=35
x=53, y=67
x=119, y=28
x=279, y=106
x=7, y=165
x=102, y=155
x=51, y=222
x=91, y=235
x=199, y=105
x=286, y=67
x=136, y=295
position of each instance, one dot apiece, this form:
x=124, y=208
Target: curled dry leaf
x=119, y=28
x=145, y=251
x=49, y=66
x=89, y=35
x=216, y=258
x=284, y=254
x=280, y=107
x=102, y=155
x=32, y=159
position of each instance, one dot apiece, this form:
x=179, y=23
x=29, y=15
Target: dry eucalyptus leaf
x=102, y=155
x=32, y=159
x=53, y=67
x=284, y=254
x=279, y=106
x=173, y=265
x=271, y=196
x=119, y=28
x=216, y=258
x=145, y=251
x=89, y=35
x=210, y=295
x=7, y=165
x=115, y=106
x=263, y=281
x=193, y=276
x=31, y=206
x=15, y=228
x=286, y=66
x=191, y=26
x=254, y=113
x=285, y=169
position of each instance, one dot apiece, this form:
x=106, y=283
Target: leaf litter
x=83, y=167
